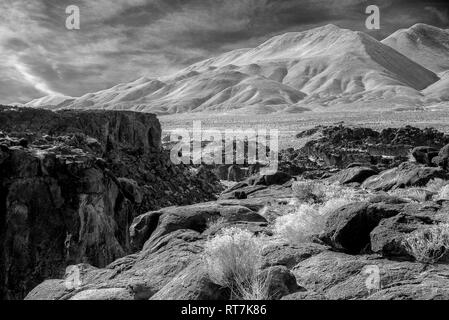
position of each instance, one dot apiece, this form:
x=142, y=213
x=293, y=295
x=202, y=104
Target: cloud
x=122, y=40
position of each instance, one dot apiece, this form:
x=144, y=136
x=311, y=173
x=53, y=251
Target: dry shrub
x=317, y=200
x=414, y=194
x=309, y=191
x=233, y=260
x=429, y=245
x=308, y=220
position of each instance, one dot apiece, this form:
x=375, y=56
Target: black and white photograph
x=247, y=153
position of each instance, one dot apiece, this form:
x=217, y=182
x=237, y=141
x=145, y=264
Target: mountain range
x=293, y=72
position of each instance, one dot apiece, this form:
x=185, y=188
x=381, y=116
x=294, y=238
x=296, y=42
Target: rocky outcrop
x=442, y=160
x=168, y=264
x=407, y=174
x=71, y=184
x=348, y=228
x=339, y=276
x=153, y=225
x=425, y=155
x=353, y=175
x=339, y=146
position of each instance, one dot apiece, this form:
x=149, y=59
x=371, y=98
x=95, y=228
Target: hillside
x=424, y=44
x=292, y=72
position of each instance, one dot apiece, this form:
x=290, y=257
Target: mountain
x=47, y=101
x=290, y=72
x=439, y=91
x=424, y=44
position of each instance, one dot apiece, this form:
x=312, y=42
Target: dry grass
x=414, y=194
x=430, y=245
x=435, y=189
x=306, y=221
x=316, y=200
x=233, y=260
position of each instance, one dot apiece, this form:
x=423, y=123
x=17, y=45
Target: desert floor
x=290, y=124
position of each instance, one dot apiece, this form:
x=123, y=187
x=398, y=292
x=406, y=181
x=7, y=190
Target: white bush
x=297, y=223
x=298, y=227
x=233, y=260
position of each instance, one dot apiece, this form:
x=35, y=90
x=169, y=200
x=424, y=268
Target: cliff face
x=71, y=183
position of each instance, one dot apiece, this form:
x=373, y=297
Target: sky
x=122, y=40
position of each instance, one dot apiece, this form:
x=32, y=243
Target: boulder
x=153, y=225
x=235, y=173
x=388, y=237
x=280, y=282
x=442, y=160
x=277, y=178
x=48, y=290
x=142, y=274
x=193, y=283
x=338, y=276
x=406, y=175
x=282, y=254
x=348, y=228
x=425, y=155
x=353, y=175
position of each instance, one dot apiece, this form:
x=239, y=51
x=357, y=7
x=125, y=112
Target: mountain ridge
x=325, y=66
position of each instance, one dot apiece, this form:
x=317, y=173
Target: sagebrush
x=233, y=259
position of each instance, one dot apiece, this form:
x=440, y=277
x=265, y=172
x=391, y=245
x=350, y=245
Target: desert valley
x=94, y=209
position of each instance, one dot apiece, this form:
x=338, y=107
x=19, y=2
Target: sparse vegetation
x=435, y=189
x=414, y=194
x=429, y=245
x=308, y=218
x=309, y=191
x=233, y=260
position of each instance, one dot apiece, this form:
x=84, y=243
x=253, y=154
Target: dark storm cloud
x=122, y=40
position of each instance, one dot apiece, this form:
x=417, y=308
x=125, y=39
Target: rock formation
x=71, y=184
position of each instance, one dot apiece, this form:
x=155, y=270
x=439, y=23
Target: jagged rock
x=287, y=255
x=353, y=175
x=406, y=175
x=348, y=228
x=277, y=178
x=153, y=225
x=339, y=146
x=123, y=129
x=338, y=276
x=388, y=237
x=280, y=282
x=131, y=189
x=235, y=173
x=70, y=194
x=48, y=290
x=442, y=160
x=142, y=274
x=193, y=283
x=57, y=211
x=425, y=155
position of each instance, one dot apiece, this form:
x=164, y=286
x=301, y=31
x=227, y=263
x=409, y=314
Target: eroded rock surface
x=71, y=184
